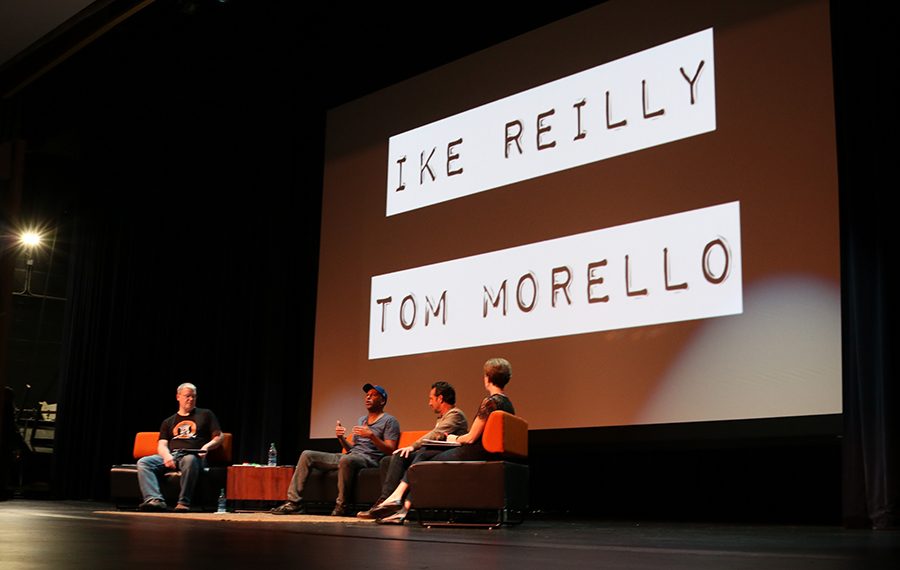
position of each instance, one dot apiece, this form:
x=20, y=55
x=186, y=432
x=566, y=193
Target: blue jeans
x=152, y=467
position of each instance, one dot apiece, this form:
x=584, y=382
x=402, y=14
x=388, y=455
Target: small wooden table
x=250, y=483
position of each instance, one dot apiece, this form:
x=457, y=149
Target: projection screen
x=637, y=206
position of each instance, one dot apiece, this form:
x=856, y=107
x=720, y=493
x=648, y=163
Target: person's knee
x=347, y=463
x=190, y=463
x=306, y=458
x=145, y=463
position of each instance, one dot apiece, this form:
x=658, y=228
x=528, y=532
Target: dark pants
x=398, y=467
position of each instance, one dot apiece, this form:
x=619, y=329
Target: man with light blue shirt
x=375, y=435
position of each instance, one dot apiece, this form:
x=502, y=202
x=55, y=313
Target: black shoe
x=153, y=506
x=289, y=508
x=396, y=518
x=386, y=509
x=339, y=511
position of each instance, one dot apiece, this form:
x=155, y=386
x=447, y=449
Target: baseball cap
x=378, y=389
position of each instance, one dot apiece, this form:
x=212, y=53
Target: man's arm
x=453, y=422
x=162, y=449
x=215, y=442
x=214, y=430
x=386, y=446
x=340, y=432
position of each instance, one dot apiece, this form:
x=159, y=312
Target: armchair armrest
x=506, y=434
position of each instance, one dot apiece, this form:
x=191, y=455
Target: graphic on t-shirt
x=185, y=429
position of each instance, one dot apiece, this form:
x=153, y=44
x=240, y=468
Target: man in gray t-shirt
x=375, y=435
x=451, y=421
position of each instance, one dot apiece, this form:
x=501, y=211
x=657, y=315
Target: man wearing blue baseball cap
x=375, y=435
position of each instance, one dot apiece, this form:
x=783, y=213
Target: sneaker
x=289, y=508
x=153, y=506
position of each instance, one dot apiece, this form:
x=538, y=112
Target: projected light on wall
x=637, y=206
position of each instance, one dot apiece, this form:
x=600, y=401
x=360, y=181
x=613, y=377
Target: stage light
x=30, y=239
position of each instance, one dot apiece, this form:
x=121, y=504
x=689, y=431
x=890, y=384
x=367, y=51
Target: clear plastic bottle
x=273, y=456
x=221, y=506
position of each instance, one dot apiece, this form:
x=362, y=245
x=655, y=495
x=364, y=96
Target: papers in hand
x=438, y=443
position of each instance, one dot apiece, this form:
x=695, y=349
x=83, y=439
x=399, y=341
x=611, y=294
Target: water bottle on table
x=273, y=456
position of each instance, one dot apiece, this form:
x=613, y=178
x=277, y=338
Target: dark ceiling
x=338, y=53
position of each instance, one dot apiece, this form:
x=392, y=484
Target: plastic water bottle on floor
x=273, y=456
x=221, y=507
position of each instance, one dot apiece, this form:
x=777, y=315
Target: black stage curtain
x=871, y=452
x=154, y=303
x=195, y=237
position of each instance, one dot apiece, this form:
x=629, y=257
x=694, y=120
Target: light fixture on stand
x=30, y=240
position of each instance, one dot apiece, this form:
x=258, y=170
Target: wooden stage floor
x=51, y=534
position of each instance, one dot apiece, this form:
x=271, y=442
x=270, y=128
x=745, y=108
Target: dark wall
x=188, y=188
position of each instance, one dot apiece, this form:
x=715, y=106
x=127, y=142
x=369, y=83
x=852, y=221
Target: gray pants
x=346, y=464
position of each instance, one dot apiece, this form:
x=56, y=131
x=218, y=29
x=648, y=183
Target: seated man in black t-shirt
x=184, y=439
